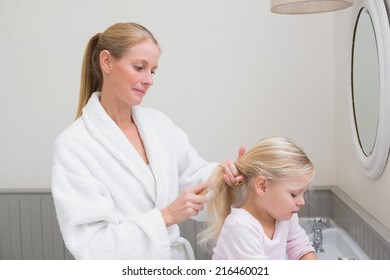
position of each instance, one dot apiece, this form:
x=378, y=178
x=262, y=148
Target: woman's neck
x=119, y=112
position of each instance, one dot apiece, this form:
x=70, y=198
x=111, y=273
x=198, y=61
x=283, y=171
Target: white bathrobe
x=108, y=200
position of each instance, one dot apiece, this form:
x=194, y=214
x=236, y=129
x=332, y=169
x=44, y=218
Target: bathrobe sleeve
x=192, y=168
x=90, y=222
x=195, y=170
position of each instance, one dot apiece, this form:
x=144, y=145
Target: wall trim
x=364, y=228
x=24, y=190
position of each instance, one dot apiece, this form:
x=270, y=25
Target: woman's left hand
x=232, y=176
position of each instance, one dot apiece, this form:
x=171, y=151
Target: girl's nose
x=301, y=201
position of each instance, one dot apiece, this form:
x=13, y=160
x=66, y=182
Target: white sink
x=338, y=244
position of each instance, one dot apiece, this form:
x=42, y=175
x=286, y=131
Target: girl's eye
x=138, y=68
x=294, y=195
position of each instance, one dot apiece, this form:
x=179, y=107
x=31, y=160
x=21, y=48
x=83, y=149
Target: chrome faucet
x=318, y=224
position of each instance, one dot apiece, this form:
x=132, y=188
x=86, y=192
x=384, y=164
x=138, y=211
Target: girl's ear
x=261, y=185
x=105, y=61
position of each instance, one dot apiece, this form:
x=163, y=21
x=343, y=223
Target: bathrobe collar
x=107, y=132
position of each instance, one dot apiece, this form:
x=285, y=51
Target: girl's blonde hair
x=117, y=39
x=275, y=158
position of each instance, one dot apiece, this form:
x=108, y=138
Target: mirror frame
x=374, y=164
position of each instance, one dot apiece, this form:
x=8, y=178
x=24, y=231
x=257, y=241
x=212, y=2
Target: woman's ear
x=261, y=185
x=105, y=61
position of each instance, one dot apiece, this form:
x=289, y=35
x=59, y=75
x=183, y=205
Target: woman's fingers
x=197, y=188
x=186, y=205
x=232, y=176
x=241, y=151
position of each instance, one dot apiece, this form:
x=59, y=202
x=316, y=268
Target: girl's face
x=284, y=198
x=131, y=76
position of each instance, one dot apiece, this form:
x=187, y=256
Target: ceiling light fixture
x=293, y=7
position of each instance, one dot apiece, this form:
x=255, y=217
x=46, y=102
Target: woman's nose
x=147, y=79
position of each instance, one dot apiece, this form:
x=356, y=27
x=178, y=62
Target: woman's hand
x=232, y=176
x=186, y=205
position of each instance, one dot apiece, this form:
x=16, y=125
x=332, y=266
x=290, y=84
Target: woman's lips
x=139, y=91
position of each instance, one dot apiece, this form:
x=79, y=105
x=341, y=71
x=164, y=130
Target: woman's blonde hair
x=117, y=39
x=275, y=158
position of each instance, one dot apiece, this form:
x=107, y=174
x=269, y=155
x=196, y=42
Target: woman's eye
x=294, y=195
x=138, y=68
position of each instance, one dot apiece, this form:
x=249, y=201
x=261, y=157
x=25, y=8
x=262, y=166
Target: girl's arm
x=309, y=256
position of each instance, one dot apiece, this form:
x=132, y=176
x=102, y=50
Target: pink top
x=242, y=238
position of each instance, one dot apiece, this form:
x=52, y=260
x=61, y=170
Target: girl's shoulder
x=241, y=217
x=241, y=224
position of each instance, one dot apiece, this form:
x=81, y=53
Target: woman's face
x=131, y=76
x=286, y=197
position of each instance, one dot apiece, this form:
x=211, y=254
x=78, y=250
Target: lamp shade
x=308, y=6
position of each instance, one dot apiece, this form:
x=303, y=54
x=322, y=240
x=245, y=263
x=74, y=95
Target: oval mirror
x=365, y=86
x=371, y=86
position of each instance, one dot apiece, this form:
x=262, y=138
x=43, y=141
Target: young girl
x=263, y=225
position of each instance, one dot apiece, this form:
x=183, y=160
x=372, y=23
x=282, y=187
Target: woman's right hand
x=186, y=205
x=232, y=176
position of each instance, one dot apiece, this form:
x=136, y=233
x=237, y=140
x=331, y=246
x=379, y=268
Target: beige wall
x=230, y=73
x=372, y=195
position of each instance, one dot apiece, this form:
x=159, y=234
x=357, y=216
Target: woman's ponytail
x=91, y=76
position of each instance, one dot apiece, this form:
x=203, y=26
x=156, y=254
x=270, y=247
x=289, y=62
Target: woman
x=124, y=176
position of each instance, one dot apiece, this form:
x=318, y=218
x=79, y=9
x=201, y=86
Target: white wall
x=231, y=73
x=372, y=195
